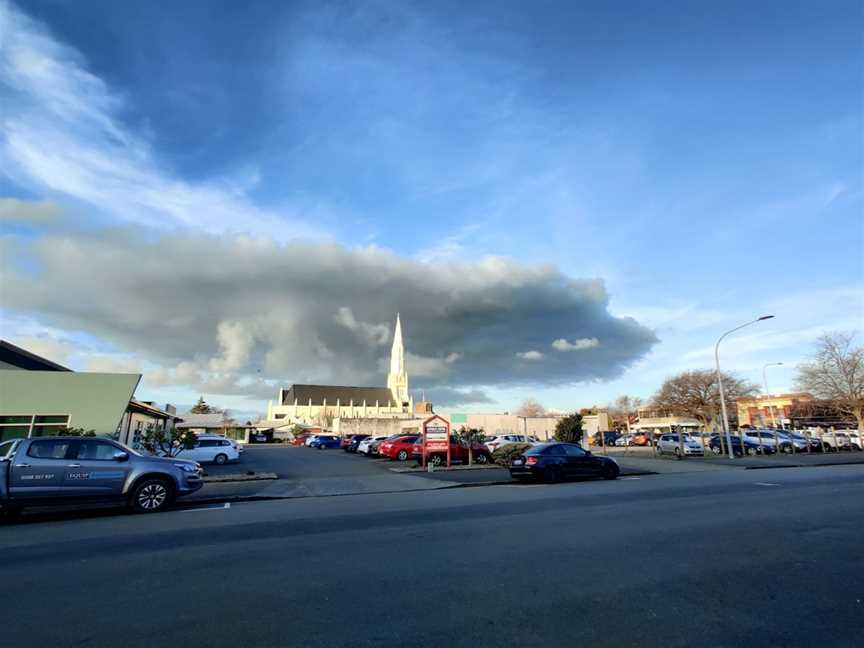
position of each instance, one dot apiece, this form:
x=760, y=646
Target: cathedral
x=321, y=405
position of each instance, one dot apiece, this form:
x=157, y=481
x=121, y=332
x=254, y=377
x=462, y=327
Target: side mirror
x=121, y=456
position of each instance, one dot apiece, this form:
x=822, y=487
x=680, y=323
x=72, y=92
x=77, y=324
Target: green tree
x=569, y=429
x=76, y=432
x=470, y=436
x=168, y=443
x=201, y=407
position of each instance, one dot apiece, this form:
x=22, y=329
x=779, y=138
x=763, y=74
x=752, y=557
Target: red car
x=399, y=448
x=458, y=453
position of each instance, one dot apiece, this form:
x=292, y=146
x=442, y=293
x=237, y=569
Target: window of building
x=19, y=426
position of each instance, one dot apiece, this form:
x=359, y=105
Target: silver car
x=669, y=444
x=70, y=470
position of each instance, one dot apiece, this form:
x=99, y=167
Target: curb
x=812, y=465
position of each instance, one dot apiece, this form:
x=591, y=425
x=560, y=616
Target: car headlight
x=190, y=468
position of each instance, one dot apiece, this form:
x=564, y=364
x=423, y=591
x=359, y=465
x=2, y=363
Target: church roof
x=332, y=393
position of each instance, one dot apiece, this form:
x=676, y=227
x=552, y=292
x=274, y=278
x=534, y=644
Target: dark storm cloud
x=238, y=306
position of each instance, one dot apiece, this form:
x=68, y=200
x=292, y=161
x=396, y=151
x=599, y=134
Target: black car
x=605, y=438
x=355, y=441
x=717, y=445
x=553, y=462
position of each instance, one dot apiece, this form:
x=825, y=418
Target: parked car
x=623, y=441
x=212, y=448
x=71, y=470
x=495, y=441
x=553, y=462
x=398, y=448
x=323, y=441
x=640, y=439
x=671, y=444
x=353, y=441
x=607, y=438
x=793, y=442
x=836, y=441
x=855, y=439
x=717, y=445
x=763, y=438
x=300, y=439
x=310, y=439
x=364, y=447
x=458, y=453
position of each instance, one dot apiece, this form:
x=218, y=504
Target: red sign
x=436, y=437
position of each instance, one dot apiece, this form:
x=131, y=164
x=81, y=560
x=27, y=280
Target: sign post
x=436, y=437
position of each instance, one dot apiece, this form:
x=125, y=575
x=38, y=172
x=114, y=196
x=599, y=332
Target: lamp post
x=767, y=393
x=720, y=380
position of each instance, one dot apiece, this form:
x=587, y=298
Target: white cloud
x=236, y=341
x=529, y=355
x=60, y=133
x=13, y=210
x=584, y=343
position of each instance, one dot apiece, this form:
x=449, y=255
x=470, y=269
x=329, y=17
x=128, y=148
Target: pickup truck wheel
x=221, y=459
x=151, y=495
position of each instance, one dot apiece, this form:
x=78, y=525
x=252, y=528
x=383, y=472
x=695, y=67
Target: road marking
x=766, y=484
x=211, y=507
x=630, y=478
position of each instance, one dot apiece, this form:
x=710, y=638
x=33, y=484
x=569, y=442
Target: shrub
x=506, y=453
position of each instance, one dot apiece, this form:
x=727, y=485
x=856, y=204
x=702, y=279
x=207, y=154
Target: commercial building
x=141, y=416
x=39, y=397
x=541, y=427
x=768, y=410
x=659, y=422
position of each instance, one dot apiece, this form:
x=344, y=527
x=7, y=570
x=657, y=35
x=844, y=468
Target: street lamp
x=720, y=380
x=767, y=393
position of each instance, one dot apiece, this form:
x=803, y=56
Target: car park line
x=766, y=484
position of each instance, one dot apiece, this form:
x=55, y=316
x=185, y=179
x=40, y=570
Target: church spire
x=397, y=380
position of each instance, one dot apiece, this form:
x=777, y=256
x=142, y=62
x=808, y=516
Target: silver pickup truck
x=70, y=470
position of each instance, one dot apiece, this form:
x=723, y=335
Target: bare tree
x=531, y=407
x=623, y=409
x=835, y=373
x=696, y=394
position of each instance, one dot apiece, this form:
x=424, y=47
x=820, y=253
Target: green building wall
x=93, y=401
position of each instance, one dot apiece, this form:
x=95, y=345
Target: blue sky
x=704, y=162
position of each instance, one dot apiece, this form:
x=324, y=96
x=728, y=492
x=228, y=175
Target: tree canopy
x=201, y=407
x=569, y=429
x=835, y=373
x=696, y=394
x=531, y=407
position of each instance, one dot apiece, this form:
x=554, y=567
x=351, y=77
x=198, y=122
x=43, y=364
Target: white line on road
x=766, y=484
x=630, y=478
x=212, y=507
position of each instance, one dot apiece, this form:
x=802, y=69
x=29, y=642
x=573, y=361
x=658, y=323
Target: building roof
x=191, y=420
x=14, y=357
x=333, y=393
x=146, y=408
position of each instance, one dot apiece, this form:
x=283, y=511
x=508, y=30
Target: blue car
x=325, y=441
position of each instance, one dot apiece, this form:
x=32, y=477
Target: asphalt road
x=292, y=462
x=729, y=558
